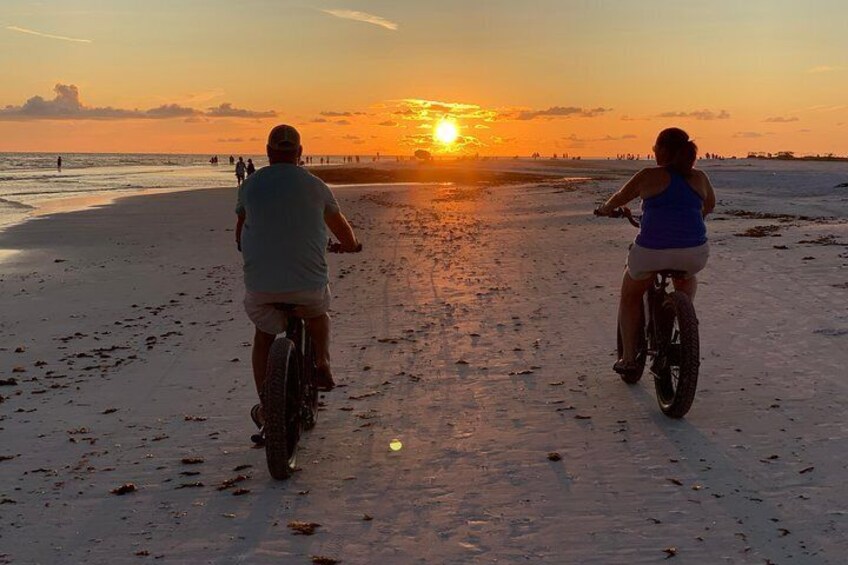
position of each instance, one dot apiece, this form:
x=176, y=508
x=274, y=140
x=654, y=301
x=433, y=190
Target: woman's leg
x=630, y=314
x=687, y=286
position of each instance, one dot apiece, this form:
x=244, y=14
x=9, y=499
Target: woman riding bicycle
x=675, y=200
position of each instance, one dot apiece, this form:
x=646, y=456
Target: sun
x=446, y=132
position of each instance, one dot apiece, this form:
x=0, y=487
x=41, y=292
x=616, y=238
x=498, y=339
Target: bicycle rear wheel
x=282, y=408
x=310, y=389
x=641, y=353
x=678, y=355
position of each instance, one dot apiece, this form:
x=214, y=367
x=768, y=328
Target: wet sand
x=477, y=328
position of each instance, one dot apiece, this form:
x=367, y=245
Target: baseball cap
x=283, y=138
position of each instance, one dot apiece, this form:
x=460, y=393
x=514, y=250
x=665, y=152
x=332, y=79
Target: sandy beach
x=477, y=328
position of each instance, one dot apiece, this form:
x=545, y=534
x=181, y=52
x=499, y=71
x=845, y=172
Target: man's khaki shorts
x=265, y=316
x=643, y=262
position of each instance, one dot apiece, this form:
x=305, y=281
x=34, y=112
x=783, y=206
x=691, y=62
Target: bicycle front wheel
x=678, y=355
x=282, y=408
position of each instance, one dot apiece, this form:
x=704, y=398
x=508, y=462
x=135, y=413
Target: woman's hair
x=682, y=151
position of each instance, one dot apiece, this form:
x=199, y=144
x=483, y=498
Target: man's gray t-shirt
x=284, y=237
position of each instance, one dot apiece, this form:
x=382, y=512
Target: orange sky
x=554, y=76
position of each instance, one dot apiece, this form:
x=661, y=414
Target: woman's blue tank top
x=673, y=219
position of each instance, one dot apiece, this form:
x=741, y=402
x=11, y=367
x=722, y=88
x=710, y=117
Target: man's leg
x=319, y=332
x=261, y=347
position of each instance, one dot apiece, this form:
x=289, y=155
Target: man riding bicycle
x=283, y=215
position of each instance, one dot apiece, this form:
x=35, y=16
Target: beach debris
x=189, y=473
x=554, y=456
x=109, y=411
x=19, y=369
x=299, y=528
x=670, y=552
x=142, y=553
x=761, y=231
x=241, y=491
x=9, y=382
x=805, y=470
x=196, y=484
x=322, y=560
x=238, y=468
x=188, y=418
x=20, y=349
x=367, y=517
x=582, y=417
x=124, y=489
x=8, y=501
x=675, y=482
x=395, y=445
x=232, y=482
x=461, y=362
x=192, y=460
x=781, y=247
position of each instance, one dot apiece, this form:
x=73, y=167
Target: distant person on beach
x=250, y=167
x=676, y=198
x=232, y=160
x=284, y=213
x=59, y=163
x=241, y=169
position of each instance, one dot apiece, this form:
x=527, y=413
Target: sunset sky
x=590, y=78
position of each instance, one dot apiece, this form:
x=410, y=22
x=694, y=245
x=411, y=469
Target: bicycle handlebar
x=623, y=212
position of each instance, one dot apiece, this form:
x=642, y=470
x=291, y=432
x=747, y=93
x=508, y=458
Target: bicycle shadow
x=734, y=489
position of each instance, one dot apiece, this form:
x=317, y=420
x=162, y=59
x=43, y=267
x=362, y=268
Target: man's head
x=284, y=145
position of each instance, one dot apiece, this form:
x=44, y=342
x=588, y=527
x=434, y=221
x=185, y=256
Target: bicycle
x=669, y=336
x=290, y=395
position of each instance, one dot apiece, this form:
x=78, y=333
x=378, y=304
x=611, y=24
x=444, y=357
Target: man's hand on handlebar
x=335, y=247
x=623, y=212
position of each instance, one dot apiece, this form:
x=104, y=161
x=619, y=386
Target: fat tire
x=280, y=381
x=641, y=354
x=676, y=403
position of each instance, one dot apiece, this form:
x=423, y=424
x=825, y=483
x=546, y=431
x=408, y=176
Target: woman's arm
x=710, y=199
x=631, y=190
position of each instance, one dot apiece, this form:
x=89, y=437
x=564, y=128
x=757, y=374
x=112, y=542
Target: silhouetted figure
x=250, y=168
x=241, y=168
x=59, y=163
x=232, y=160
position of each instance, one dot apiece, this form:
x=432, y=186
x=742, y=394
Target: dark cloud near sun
x=66, y=104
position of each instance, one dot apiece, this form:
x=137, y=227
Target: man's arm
x=710, y=200
x=239, y=225
x=340, y=228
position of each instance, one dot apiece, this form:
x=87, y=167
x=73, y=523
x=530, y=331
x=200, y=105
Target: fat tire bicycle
x=669, y=337
x=290, y=392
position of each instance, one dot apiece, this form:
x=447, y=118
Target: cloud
x=67, y=105
x=561, y=112
x=319, y=121
x=363, y=17
x=750, y=134
x=48, y=35
x=336, y=114
x=230, y=140
x=697, y=115
x=342, y=123
x=171, y=111
x=351, y=137
x=781, y=119
x=420, y=110
x=226, y=110
x=388, y=123
x=823, y=69
x=575, y=138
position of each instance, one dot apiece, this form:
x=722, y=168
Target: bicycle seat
x=673, y=273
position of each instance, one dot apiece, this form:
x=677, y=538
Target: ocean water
x=29, y=182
